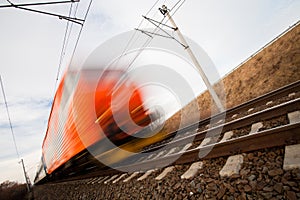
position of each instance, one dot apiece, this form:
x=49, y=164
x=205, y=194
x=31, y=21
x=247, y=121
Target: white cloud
x=29, y=120
x=14, y=170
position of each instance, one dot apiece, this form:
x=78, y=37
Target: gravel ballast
x=261, y=177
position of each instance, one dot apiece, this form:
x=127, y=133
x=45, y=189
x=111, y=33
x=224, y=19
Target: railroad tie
x=294, y=117
x=92, y=180
x=171, y=151
x=111, y=178
x=89, y=181
x=159, y=154
x=232, y=166
x=207, y=141
x=192, y=171
x=102, y=180
x=291, y=157
x=227, y=136
x=134, y=174
x=292, y=94
x=269, y=103
x=150, y=156
x=250, y=110
x=97, y=179
x=164, y=173
x=119, y=178
x=255, y=127
x=234, y=116
x=141, y=159
x=185, y=147
x=220, y=121
x=146, y=175
x=189, y=133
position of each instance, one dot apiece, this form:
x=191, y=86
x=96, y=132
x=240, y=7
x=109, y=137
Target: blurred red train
x=90, y=105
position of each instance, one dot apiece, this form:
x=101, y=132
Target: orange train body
x=84, y=111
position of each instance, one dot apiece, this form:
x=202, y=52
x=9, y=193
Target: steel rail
x=279, y=136
x=263, y=139
x=276, y=94
x=268, y=113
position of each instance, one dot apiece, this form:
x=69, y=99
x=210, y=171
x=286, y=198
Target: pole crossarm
x=152, y=33
x=71, y=19
x=145, y=32
x=38, y=4
x=157, y=24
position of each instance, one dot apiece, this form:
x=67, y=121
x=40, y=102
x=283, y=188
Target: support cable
x=9, y=120
x=28, y=184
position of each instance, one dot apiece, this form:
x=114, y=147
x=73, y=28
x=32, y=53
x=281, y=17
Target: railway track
x=270, y=127
x=251, y=135
x=264, y=122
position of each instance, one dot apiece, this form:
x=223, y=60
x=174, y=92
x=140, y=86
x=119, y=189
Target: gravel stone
x=291, y=195
x=251, y=177
x=247, y=188
x=275, y=172
x=278, y=187
x=267, y=195
x=251, y=184
x=268, y=189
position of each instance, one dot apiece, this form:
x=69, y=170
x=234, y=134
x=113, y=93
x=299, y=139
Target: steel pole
x=28, y=184
x=195, y=61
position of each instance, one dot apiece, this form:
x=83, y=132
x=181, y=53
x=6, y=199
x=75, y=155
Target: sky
x=31, y=44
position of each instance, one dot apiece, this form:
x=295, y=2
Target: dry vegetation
x=273, y=67
x=12, y=190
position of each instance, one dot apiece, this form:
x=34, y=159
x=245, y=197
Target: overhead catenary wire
x=9, y=119
x=141, y=49
x=177, y=7
x=75, y=12
x=64, y=46
x=66, y=41
x=154, y=32
x=130, y=40
x=79, y=35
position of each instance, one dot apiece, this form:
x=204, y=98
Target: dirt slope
x=275, y=66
